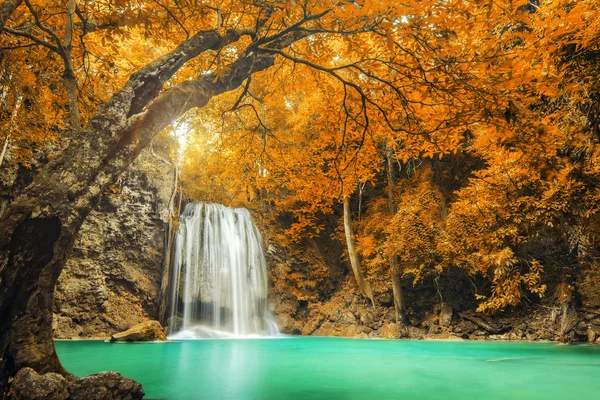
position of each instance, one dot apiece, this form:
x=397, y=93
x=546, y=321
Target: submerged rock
x=144, y=332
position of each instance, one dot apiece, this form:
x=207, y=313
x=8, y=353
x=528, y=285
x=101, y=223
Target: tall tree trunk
x=396, y=273
x=38, y=229
x=363, y=285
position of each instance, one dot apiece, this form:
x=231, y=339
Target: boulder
x=390, y=331
x=29, y=385
x=106, y=386
x=144, y=332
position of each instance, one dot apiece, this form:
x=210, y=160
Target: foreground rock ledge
x=29, y=385
x=144, y=332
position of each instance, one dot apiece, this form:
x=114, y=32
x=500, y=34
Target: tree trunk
x=38, y=229
x=363, y=285
x=396, y=273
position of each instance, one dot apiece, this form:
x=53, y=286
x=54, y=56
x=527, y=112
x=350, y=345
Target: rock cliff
x=112, y=278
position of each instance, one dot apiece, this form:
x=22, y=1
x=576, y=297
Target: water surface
x=345, y=369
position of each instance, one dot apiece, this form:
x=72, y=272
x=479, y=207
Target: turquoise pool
x=346, y=369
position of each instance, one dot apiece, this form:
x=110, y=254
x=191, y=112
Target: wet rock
x=286, y=323
x=174, y=323
x=390, y=331
x=29, y=385
x=106, y=386
x=144, y=332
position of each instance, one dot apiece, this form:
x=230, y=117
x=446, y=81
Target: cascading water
x=219, y=275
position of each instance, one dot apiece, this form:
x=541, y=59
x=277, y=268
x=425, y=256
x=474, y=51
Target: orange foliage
x=510, y=83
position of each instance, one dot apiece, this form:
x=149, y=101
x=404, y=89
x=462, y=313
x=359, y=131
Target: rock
x=312, y=325
x=327, y=329
x=390, y=331
x=106, y=386
x=429, y=320
x=366, y=317
x=174, y=323
x=347, y=317
x=445, y=315
x=114, y=270
x=355, y=331
x=286, y=323
x=591, y=335
x=415, y=333
x=464, y=327
x=29, y=385
x=593, y=331
x=144, y=332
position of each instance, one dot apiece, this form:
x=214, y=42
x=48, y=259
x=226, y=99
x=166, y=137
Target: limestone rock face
x=144, y=332
x=112, y=277
x=29, y=385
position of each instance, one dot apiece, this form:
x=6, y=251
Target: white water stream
x=219, y=276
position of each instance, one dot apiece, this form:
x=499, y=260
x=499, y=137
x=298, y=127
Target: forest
x=415, y=168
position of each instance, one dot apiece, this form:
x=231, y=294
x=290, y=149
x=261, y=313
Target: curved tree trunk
x=396, y=273
x=363, y=285
x=38, y=229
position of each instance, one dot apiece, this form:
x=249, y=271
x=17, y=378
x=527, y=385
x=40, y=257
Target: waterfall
x=219, y=282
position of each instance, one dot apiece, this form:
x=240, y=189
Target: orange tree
x=509, y=84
